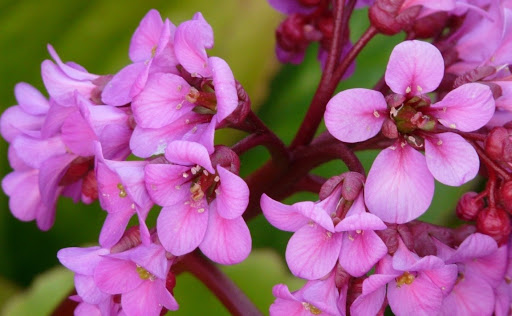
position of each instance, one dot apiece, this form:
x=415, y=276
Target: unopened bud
x=352, y=185
x=494, y=222
x=431, y=25
x=388, y=18
x=498, y=145
x=469, y=206
x=290, y=33
x=389, y=129
x=506, y=196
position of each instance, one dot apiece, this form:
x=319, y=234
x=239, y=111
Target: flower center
x=410, y=114
x=406, y=278
x=145, y=274
x=202, y=184
x=311, y=308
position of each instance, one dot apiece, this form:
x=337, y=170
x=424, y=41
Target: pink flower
x=414, y=285
x=400, y=184
x=321, y=238
x=203, y=202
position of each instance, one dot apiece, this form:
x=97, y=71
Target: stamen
x=453, y=126
x=197, y=192
x=122, y=191
x=311, y=308
x=216, y=179
x=376, y=114
x=205, y=172
x=408, y=89
x=439, y=142
x=419, y=89
x=144, y=274
x=405, y=278
x=201, y=210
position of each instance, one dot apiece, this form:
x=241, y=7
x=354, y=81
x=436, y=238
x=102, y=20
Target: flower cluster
x=143, y=140
x=164, y=107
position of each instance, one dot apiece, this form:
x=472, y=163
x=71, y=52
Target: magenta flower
x=203, y=203
x=400, y=184
x=414, y=285
x=316, y=297
x=318, y=243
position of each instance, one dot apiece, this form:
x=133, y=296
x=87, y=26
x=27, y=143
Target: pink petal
x=469, y=297
x=22, y=187
x=502, y=307
x=78, y=135
x=117, y=90
x=283, y=216
x=162, y=101
x=86, y=288
x=152, y=258
x=360, y=252
x=73, y=71
x=131, y=174
x=233, y=196
x=14, y=121
x=225, y=89
x=370, y=302
x=114, y=227
x=421, y=297
x=227, y=241
x=111, y=197
x=399, y=187
x=55, y=118
x=444, y=278
x=164, y=183
x=466, y=108
x=60, y=86
x=355, y=115
x=181, y=228
x=312, y=252
x=190, y=40
x=114, y=276
x=146, y=36
x=30, y=99
x=188, y=154
x=451, y=159
x=81, y=260
x=316, y=214
x=34, y=152
x=476, y=245
x=490, y=269
x=363, y=221
x=414, y=68
x=322, y=294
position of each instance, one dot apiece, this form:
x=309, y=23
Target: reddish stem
x=226, y=291
x=489, y=162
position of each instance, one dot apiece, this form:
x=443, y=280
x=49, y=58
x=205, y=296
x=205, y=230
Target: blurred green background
x=96, y=34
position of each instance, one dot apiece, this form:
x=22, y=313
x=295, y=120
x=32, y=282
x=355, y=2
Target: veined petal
x=469, y=297
x=360, y=251
x=190, y=40
x=421, y=297
x=282, y=216
x=181, y=228
x=399, y=187
x=142, y=301
x=316, y=213
x=146, y=36
x=115, y=276
x=233, y=196
x=362, y=221
x=152, y=258
x=225, y=89
x=86, y=288
x=451, y=159
x=355, y=115
x=164, y=183
x=312, y=252
x=81, y=260
x=60, y=86
x=114, y=227
x=466, y=108
x=374, y=292
x=476, y=245
x=162, y=101
x=227, y=241
x=415, y=68
x=189, y=153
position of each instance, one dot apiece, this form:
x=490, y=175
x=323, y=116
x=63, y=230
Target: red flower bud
x=385, y=15
x=506, y=196
x=469, y=206
x=431, y=25
x=290, y=33
x=389, y=129
x=494, y=222
x=498, y=145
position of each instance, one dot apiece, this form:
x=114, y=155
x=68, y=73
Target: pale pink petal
x=81, y=260
x=399, y=187
x=30, y=99
x=282, y=216
x=142, y=78
x=502, y=299
x=14, y=121
x=370, y=302
x=115, y=141
x=115, y=276
x=34, y=152
x=86, y=288
x=414, y=68
x=78, y=135
x=469, y=297
x=444, y=278
x=111, y=191
x=162, y=101
x=72, y=71
x=190, y=40
x=323, y=294
x=117, y=90
x=362, y=221
x=312, y=252
x=181, y=228
x=164, y=183
x=22, y=187
x=55, y=118
x=466, y=108
x=225, y=89
x=360, y=252
x=316, y=214
x=189, y=153
x=476, y=245
x=421, y=297
x=233, y=196
x=131, y=174
x=165, y=298
x=490, y=269
x=355, y=115
x=146, y=36
x=227, y=241
x=114, y=227
x=152, y=258
x=451, y=159
x=290, y=6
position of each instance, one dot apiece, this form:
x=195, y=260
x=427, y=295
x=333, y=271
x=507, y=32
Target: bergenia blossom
x=414, y=69
x=203, y=203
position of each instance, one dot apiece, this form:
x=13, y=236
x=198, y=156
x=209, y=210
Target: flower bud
x=430, y=25
x=389, y=129
x=506, y=196
x=494, y=222
x=498, y=145
x=385, y=15
x=290, y=33
x=469, y=206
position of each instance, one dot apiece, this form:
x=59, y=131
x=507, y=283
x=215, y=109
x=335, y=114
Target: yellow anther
x=311, y=308
x=122, y=191
x=405, y=278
